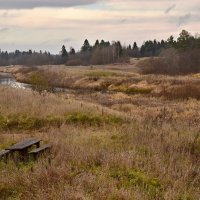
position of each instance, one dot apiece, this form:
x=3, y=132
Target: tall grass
x=142, y=147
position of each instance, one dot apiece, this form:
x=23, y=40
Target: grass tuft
x=24, y=122
x=99, y=74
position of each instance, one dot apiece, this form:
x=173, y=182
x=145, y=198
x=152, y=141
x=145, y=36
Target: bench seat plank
x=24, y=144
x=40, y=149
x=4, y=152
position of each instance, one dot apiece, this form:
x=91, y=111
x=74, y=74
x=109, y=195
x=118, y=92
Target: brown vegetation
x=172, y=62
x=110, y=144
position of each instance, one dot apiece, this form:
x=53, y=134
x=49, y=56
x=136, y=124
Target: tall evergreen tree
x=135, y=46
x=96, y=44
x=185, y=40
x=86, y=46
x=72, y=51
x=135, y=51
x=119, y=48
x=64, y=53
x=171, y=42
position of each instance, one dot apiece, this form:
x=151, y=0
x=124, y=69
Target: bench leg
x=32, y=157
x=6, y=158
x=38, y=144
x=24, y=155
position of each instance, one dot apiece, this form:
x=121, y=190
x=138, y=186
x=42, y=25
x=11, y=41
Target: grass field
x=116, y=135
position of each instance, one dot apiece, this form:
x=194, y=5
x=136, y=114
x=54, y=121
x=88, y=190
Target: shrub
x=74, y=62
x=39, y=82
x=172, y=62
x=152, y=66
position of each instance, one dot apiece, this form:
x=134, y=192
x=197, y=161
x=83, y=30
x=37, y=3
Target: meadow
x=115, y=134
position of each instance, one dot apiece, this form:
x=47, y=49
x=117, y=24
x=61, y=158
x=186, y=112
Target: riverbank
x=109, y=79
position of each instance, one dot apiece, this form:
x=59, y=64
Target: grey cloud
x=183, y=19
x=8, y=14
x=3, y=30
x=122, y=21
x=22, y=4
x=5, y=14
x=170, y=8
x=67, y=40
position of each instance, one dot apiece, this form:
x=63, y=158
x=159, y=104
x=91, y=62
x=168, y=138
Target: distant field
x=116, y=134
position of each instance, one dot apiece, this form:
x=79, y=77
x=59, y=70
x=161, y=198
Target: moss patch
x=134, y=178
x=25, y=122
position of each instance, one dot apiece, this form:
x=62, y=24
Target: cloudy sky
x=47, y=24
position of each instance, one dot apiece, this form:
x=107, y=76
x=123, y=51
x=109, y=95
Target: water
x=9, y=79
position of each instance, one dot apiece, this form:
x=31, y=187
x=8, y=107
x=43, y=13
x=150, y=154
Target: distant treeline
x=29, y=58
x=102, y=52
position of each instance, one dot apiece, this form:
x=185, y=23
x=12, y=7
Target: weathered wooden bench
x=37, y=152
x=24, y=150
x=22, y=147
x=4, y=154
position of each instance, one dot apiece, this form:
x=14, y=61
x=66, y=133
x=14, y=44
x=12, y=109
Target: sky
x=48, y=24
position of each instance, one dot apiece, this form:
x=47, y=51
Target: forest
x=104, y=52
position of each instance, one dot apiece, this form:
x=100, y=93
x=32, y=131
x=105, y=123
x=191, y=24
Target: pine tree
x=185, y=40
x=86, y=46
x=171, y=42
x=96, y=44
x=135, y=46
x=135, y=51
x=72, y=51
x=64, y=53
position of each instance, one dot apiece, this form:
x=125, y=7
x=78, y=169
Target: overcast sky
x=47, y=24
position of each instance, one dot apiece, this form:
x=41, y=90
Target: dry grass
x=17, y=101
x=181, y=91
x=115, y=78
x=154, y=153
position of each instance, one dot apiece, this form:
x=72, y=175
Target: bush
x=74, y=62
x=172, y=62
x=39, y=82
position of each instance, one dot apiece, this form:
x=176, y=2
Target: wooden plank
x=40, y=149
x=4, y=153
x=24, y=144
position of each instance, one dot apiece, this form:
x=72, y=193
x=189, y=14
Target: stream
x=9, y=80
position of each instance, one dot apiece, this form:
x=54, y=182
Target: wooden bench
x=24, y=150
x=4, y=154
x=24, y=144
x=22, y=147
x=36, y=152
